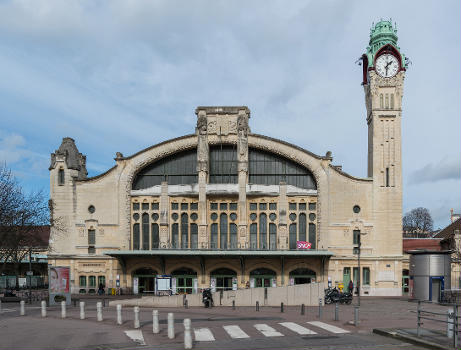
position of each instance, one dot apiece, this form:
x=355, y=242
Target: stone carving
x=232, y=127
x=202, y=147
x=212, y=126
x=242, y=129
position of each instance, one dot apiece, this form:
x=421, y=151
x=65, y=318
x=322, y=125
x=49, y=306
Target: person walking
x=351, y=287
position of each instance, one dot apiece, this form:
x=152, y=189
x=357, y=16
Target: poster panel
x=59, y=284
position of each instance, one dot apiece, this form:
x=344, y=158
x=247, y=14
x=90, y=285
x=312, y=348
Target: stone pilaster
x=164, y=206
x=283, y=210
x=242, y=155
x=202, y=170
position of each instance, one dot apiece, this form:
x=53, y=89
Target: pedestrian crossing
x=236, y=332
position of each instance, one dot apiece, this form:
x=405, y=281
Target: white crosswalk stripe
x=297, y=328
x=328, y=327
x=203, y=334
x=267, y=330
x=235, y=332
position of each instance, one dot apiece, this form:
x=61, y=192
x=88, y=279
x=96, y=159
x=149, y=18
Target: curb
x=416, y=341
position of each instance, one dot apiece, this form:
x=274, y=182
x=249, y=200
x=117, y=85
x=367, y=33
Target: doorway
x=263, y=277
x=184, y=280
x=146, y=280
x=302, y=276
x=223, y=278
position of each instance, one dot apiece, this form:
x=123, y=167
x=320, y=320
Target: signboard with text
x=303, y=245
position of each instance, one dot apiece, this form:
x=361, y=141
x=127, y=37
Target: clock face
x=387, y=65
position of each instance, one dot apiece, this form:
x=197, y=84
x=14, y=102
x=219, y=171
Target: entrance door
x=184, y=280
x=223, y=278
x=435, y=288
x=302, y=276
x=346, y=278
x=146, y=280
x=263, y=277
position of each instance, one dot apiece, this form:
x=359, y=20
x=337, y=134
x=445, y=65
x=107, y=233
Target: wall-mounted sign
x=303, y=245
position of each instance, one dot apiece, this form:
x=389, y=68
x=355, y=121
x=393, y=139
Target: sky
x=120, y=76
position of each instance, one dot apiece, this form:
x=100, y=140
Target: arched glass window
x=136, y=237
x=381, y=101
x=145, y=231
x=272, y=236
x=193, y=236
x=262, y=231
x=392, y=101
x=155, y=236
x=223, y=164
x=184, y=231
x=387, y=101
x=223, y=231
x=179, y=168
x=174, y=236
x=233, y=236
x=312, y=236
x=253, y=236
x=293, y=237
x=61, y=177
x=302, y=227
x=270, y=169
x=214, y=236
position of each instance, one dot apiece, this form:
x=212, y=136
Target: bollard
x=186, y=304
x=43, y=303
x=356, y=316
x=320, y=307
x=257, y=306
x=233, y=304
x=302, y=309
x=336, y=312
x=119, y=314
x=63, y=309
x=187, y=334
x=281, y=307
x=22, y=308
x=450, y=322
x=220, y=297
x=82, y=310
x=170, y=325
x=99, y=311
x=155, y=327
x=136, y=317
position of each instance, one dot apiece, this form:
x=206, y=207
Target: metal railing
x=450, y=318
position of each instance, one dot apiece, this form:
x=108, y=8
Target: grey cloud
x=443, y=170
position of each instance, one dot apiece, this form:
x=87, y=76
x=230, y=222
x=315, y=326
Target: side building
x=228, y=208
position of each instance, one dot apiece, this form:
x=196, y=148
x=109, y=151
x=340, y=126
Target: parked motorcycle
x=333, y=295
x=207, y=298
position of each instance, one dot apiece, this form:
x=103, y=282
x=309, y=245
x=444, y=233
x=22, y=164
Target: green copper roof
x=382, y=33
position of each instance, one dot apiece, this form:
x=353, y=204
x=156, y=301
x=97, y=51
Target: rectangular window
x=366, y=276
x=233, y=206
x=312, y=206
x=92, y=281
x=356, y=274
x=387, y=177
x=253, y=236
x=262, y=206
x=61, y=177
x=175, y=235
x=292, y=206
x=91, y=237
x=214, y=236
x=145, y=206
x=222, y=206
x=184, y=206
x=91, y=250
x=136, y=237
x=214, y=206
x=293, y=236
x=82, y=281
x=253, y=206
x=273, y=206
x=194, y=206
x=102, y=281
x=302, y=206
x=356, y=237
x=155, y=206
x=135, y=206
x=155, y=236
x=193, y=236
x=174, y=206
x=312, y=236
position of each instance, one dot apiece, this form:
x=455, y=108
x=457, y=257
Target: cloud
x=447, y=169
x=11, y=148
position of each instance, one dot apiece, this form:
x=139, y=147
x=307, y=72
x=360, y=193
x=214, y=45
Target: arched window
x=193, y=236
x=387, y=101
x=312, y=236
x=233, y=236
x=381, y=101
x=175, y=236
x=223, y=231
x=136, y=237
x=184, y=231
x=302, y=227
x=214, y=236
x=272, y=236
x=145, y=231
x=270, y=169
x=155, y=236
x=392, y=101
x=179, y=168
x=293, y=235
x=61, y=177
x=253, y=236
x=262, y=231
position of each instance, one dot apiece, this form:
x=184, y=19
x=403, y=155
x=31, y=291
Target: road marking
x=297, y=328
x=203, y=334
x=136, y=336
x=328, y=327
x=267, y=330
x=235, y=332
x=7, y=310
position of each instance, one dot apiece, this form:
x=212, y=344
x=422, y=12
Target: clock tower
x=383, y=75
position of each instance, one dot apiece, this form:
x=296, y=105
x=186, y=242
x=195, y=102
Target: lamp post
x=30, y=276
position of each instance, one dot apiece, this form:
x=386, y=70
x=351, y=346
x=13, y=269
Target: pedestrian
x=351, y=286
x=101, y=289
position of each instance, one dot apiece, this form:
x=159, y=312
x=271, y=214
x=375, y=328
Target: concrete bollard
x=22, y=308
x=187, y=334
x=155, y=326
x=356, y=316
x=99, y=311
x=450, y=322
x=303, y=309
x=186, y=304
x=170, y=325
x=63, y=309
x=119, y=314
x=43, y=303
x=257, y=306
x=281, y=307
x=82, y=310
x=320, y=307
x=336, y=312
x=136, y=317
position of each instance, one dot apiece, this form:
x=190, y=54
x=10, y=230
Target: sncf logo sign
x=303, y=245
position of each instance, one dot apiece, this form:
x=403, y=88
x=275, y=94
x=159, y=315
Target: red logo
x=303, y=245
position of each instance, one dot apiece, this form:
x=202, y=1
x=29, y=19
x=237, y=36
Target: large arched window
x=179, y=168
x=270, y=169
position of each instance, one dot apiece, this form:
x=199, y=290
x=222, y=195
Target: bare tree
x=418, y=222
x=20, y=215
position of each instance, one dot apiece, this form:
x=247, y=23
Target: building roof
x=448, y=231
x=411, y=244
